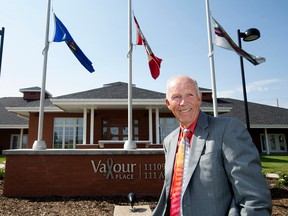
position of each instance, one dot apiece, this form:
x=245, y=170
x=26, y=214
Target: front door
x=117, y=129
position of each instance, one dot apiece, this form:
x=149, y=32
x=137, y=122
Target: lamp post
x=249, y=35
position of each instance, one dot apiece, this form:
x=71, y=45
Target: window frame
x=276, y=142
x=66, y=127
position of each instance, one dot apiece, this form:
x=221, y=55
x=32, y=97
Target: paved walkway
x=142, y=210
x=2, y=166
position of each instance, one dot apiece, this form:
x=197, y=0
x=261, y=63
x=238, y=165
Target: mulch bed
x=279, y=198
x=102, y=206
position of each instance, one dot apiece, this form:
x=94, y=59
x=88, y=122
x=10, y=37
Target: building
x=89, y=117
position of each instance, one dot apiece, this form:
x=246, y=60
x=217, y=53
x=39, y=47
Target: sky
x=175, y=30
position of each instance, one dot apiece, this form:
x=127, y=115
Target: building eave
x=77, y=105
x=267, y=126
x=106, y=101
x=24, y=111
x=219, y=109
x=12, y=126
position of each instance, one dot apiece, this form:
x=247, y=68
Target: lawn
x=274, y=164
x=2, y=159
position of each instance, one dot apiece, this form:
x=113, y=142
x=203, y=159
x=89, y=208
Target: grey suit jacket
x=224, y=174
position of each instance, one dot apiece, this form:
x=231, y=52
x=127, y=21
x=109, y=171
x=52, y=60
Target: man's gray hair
x=182, y=76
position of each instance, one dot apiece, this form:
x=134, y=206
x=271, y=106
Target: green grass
x=274, y=164
x=2, y=159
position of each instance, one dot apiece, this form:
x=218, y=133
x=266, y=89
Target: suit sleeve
x=243, y=168
x=161, y=207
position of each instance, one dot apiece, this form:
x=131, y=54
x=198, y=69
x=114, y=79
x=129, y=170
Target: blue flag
x=62, y=34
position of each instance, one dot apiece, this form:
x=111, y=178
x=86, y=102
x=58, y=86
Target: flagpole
x=2, y=32
x=40, y=144
x=130, y=144
x=211, y=56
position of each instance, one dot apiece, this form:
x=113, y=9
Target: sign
x=110, y=169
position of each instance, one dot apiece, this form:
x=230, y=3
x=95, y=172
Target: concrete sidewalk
x=2, y=165
x=142, y=210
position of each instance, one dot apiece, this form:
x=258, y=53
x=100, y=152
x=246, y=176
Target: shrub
x=2, y=174
x=283, y=179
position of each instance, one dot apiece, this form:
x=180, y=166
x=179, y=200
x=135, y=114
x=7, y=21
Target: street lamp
x=249, y=35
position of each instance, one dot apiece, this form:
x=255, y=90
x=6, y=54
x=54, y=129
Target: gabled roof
x=110, y=96
x=260, y=116
x=10, y=120
x=23, y=107
x=115, y=96
x=117, y=90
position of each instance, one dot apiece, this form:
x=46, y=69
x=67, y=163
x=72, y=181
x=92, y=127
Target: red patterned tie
x=175, y=208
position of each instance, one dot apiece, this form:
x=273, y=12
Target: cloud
x=257, y=86
x=261, y=85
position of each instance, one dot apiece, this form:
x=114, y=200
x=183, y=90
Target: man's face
x=183, y=100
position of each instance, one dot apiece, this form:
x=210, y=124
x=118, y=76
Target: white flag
x=222, y=39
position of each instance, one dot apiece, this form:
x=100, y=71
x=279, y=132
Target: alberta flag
x=222, y=39
x=62, y=34
x=153, y=61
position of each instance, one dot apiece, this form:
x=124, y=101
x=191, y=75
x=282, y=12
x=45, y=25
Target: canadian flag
x=153, y=61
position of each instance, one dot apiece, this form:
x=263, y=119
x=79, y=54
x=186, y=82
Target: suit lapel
x=171, y=152
x=198, y=143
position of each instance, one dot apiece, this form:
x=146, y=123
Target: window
x=67, y=132
x=15, y=141
x=167, y=125
x=276, y=142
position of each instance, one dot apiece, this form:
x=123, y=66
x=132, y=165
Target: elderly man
x=213, y=168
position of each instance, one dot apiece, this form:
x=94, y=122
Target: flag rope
x=46, y=48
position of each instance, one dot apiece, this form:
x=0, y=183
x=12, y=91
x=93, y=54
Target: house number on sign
x=151, y=171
